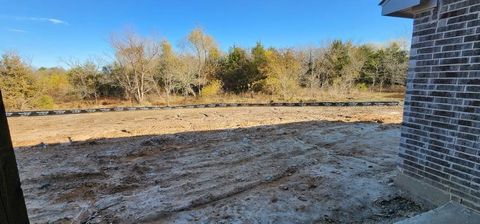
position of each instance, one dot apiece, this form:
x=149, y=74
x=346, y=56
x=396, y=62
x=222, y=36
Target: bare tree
x=310, y=69
x=206, y=52
x=187, y=74
x=137, y=60
x=85, y=78
x=395, y=64
x=351, y=70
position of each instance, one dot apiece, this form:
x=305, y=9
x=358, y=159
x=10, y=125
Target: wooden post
x=12, y=203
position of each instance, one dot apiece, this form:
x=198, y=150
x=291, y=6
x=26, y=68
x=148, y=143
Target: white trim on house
x=405, y=8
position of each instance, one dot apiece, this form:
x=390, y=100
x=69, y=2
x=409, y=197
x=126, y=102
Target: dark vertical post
x=12, y=203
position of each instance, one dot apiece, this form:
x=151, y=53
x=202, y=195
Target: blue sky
x=48, y=32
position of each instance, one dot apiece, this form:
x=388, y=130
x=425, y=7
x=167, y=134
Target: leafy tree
x=238, y=72
x=331, y=63
x=53, y=82
x=17, y=82
x=170, y=69
x=385, y=66
x=341, y=65
x=283, y=71
x=369, y=73
x=259, y=61
x=143, y=66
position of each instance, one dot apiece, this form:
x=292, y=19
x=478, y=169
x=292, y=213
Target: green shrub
x=44, y=102
x=362, y=87
x=212, y=89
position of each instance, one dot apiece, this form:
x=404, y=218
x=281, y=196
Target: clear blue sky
x=47, y=31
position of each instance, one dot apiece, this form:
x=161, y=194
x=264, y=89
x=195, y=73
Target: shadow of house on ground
x=319, y=171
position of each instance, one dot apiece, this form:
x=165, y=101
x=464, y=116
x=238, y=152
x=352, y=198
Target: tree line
x=144, y=66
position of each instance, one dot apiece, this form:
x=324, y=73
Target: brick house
x=439, y=158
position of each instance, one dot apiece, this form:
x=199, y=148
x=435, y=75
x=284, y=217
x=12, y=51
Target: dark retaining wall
x=116, y=109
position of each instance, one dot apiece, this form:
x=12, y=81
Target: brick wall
x=440, y=136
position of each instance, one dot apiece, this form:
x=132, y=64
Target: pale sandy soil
x=28, y=131
x=231, y=165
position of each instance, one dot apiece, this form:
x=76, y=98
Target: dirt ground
x=228, y=165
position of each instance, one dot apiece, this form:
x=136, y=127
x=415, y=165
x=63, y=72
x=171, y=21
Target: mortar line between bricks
x=463, y=166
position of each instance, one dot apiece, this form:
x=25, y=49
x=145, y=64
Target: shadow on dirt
x=319, y=171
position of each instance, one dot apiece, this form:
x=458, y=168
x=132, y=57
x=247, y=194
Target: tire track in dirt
x=233, y=188
x=283, y=173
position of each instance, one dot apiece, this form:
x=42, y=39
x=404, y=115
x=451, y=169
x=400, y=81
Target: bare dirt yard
x=228, y=165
